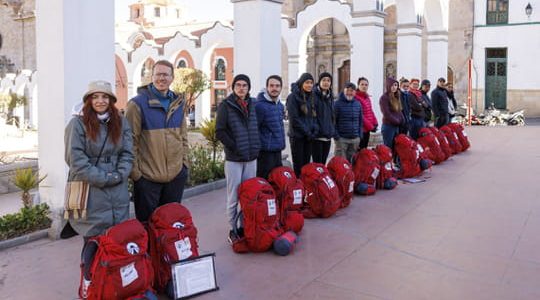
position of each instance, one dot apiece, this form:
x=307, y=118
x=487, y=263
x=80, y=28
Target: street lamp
x=528, y=10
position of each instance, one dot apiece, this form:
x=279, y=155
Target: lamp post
x=528, y=10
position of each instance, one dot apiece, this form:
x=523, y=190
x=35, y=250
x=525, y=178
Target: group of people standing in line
x=149, y=144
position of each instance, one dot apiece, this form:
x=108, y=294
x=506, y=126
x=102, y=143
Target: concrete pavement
x=469, y=232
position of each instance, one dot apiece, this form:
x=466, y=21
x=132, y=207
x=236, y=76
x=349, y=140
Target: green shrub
x=203, y=168
x=27, y=179
x=28, y=219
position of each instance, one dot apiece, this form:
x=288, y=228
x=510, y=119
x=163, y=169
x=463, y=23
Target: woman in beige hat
x=98, y=150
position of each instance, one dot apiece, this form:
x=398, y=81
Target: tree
x=190, y=82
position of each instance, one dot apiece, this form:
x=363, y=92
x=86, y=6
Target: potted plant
x=26, y=179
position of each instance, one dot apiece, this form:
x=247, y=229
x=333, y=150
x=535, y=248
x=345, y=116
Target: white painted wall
x=257, y=51
x=409, y=52
x=437, y=57
x=81, y=50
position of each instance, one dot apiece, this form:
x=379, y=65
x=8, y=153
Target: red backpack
x=366, y=169
x=462, y=135
x=121, y=268
x=424, y=160
x=452, y=138
x=322, y=193
x=386, y=179
x=173, y=237
x=260, y=213
x=290, y=196
x=427, y=139
x=408, y=154
x=443, y=141
x=341, y=171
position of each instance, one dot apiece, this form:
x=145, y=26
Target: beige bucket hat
x=100, y=86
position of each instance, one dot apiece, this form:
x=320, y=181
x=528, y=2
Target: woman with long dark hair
x=391, y=109
x=98, y=151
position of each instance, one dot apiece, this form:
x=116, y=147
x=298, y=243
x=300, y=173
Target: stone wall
x=12, y=36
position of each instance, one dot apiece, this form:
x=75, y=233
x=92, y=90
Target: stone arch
x=121, y=83
x=296, y=37
x=144, y=66
x=436, y=15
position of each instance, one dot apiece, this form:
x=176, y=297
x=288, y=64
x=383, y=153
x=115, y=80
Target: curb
x=21, y=240
x=188, y=193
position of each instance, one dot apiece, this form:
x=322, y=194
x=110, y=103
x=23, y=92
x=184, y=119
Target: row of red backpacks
x=273, y=211
x=132, y=260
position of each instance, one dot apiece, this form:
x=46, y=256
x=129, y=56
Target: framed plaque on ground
x=194, y=276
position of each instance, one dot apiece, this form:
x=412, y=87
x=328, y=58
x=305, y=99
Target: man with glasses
x=157, y=119
x=236, y=128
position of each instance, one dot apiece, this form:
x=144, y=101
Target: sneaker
x=84, y=288
x=232, y=237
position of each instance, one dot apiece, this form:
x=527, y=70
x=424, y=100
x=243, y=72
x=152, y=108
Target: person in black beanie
x=236, y=129
x=303, y=126
x=324, y=105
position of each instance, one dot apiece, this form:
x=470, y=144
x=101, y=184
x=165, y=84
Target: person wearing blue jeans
x=391, y=109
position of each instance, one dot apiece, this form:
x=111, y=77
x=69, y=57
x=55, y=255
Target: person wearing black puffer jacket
x=303, y=127
x=324, y=106
x=439, y=100
x=236, y=129
x=348, y=122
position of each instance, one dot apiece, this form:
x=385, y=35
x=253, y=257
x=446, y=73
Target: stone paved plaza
x=469, y=232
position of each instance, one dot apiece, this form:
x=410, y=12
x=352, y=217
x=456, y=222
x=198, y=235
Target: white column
x=257, y=43
x=437, y=55
x=80, y=50
x=367, y=60
x=202, y=107
x=409, y=50
x=294, y=72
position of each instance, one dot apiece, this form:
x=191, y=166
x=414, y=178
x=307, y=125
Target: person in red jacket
x=369, y=119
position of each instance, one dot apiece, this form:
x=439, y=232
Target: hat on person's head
x=350, y=85
x=425, y=82
x=100, y=86
x=242, y=77
x=303, y=78
x=323, y=75
x=441, y=79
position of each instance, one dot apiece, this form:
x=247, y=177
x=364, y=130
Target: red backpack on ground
x=409, y=156
x=386, y=179
x=260, y=213
x=427, y=139
x=121, y=268
x=290, y=196
x=462, y=135
x=452, y=138
x=423, y=157
x=341, y=171
x=443, y=141
x=366, y=169
x=173, y=237
x=322, y=193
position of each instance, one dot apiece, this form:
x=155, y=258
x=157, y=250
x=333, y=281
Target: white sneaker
x=84, y=289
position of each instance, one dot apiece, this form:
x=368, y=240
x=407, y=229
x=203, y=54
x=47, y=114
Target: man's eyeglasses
x=162, y=75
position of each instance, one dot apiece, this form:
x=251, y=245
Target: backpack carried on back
x=260, y=215
x=452, y=138
x=443, y=142
x=322, y=193
x=366, y=169
x=462, y=135
x=290, y=197
x=409, y=155
x=427, y=139
x=121, y=268
x=173, y=237
x=341, y=171
x=386, y=179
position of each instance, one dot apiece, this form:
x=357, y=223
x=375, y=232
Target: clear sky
x=200, y=10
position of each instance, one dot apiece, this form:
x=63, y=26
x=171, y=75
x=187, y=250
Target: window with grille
x=497, y=12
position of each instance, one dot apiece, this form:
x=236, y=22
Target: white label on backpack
x=420, y=148
x=437, y=141
x=297, y=194
x=388, y=166
x=271, y=207
x=446, y=140
x=128, y=274
x=455, y=135
x=417, y=154
x=464, y=133
x=351, y=186
x=329, y=182
x=375, y=173
x=183, y=248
